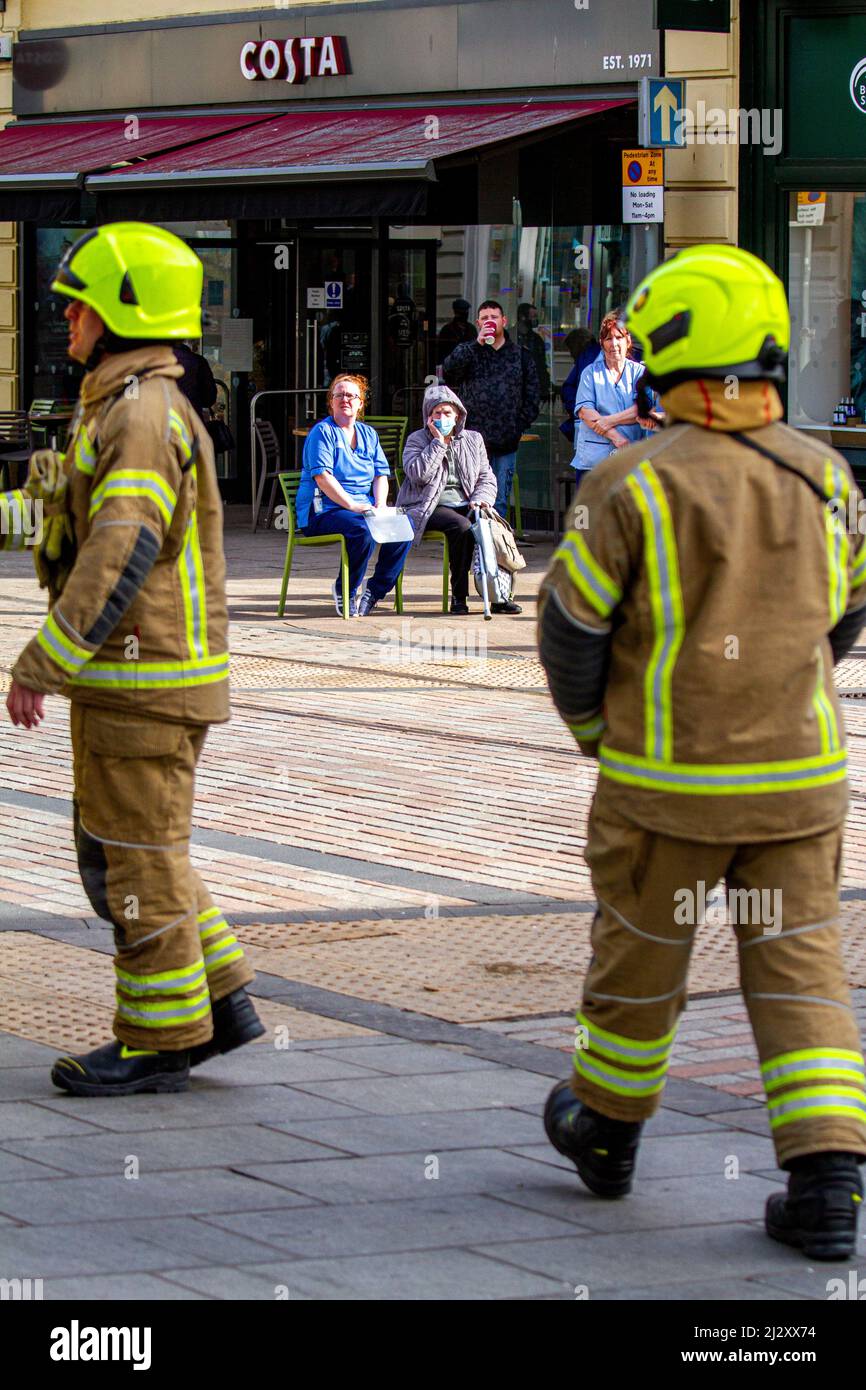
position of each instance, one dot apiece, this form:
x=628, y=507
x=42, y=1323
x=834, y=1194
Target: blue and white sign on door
x=667, y=96
x=334, y=294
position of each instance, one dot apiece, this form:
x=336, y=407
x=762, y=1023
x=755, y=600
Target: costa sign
x=294, y=60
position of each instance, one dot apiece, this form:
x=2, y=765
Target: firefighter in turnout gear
x=136, y=637
x=707, y=582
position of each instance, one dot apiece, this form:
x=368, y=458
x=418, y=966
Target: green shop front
x=804, y=210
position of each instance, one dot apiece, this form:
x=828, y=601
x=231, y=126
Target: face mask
x=446, y=425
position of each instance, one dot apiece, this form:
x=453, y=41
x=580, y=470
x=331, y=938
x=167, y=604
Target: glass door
x=334, y=319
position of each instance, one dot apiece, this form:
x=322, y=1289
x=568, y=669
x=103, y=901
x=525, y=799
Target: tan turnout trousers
x=649, y=889
x=134, y=789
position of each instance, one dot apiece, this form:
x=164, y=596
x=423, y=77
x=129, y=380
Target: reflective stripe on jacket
x=141, y=622
x=714, y=577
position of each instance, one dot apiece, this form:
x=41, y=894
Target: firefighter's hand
x=54, y=556
x=46, y=477
x=25, y=706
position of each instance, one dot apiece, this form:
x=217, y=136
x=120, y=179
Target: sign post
x=644, y=234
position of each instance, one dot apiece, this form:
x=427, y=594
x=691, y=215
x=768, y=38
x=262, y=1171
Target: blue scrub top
x=599, y=390
x=326, y=451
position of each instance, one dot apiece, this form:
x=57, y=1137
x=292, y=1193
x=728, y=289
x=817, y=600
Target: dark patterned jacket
x=499, y=388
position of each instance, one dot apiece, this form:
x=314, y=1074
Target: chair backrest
x=391, y=430
x=15, y=426
x=269, y=445
x=289, y=484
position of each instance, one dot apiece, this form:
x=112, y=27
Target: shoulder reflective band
x=816, y=1103
x=178, y=428
x=859, y=575
x=666, y=602
x=155, y=675
x=132, y=482
x=84, y=453
x=811, y=1064
x=65, y=653
x=587, y=575
x=723, y=779
x=836, y=488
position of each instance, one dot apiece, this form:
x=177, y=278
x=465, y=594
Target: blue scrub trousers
x=360, y=546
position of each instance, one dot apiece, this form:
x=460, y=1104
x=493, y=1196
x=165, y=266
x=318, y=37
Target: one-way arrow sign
x=665, y=97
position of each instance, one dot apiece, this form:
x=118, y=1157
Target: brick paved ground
x=394, y=818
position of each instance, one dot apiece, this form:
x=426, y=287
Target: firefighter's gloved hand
x=54, y=555
x=46, y=478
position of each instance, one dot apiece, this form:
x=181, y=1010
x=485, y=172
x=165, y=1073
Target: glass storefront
x=827, y=287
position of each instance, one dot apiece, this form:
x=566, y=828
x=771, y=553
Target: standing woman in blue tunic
x=605, y=406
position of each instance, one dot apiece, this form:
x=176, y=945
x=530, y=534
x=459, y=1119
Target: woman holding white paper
x=345, y=474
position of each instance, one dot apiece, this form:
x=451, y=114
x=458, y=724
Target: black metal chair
x=271, y=467
x=16, y=444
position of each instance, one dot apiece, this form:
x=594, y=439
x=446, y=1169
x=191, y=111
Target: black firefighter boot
x=603, y=1151
x=819, y=1212
x=235, y=1022
x=118, y=1070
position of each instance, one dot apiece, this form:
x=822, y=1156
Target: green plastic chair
x=289, y=484
x=391, y=430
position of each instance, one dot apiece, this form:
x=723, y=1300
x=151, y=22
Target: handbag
x=221, y=436
x=507, y=554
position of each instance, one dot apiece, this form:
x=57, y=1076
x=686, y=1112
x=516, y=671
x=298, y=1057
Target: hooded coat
x=425, y=463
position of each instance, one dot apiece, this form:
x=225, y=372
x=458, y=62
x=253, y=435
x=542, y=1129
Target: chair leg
x=271, y=500
x=518, y=518
x=260, y=492
x=446, y=573
x=344, y=575
x=398, y=601
x=287, y=569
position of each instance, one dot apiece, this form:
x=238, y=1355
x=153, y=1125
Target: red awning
x=57, y=154
x=346, y=142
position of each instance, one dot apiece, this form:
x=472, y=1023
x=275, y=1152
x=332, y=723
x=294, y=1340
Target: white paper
x=236, y=348
x=387, y=524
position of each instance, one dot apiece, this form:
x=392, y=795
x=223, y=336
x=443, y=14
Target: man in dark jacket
x=497, y=382
x=197, y=382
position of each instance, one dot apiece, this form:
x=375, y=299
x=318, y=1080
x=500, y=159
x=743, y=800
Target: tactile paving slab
x=63, y=995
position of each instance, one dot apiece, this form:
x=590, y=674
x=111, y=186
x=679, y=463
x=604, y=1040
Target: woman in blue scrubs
x=344, y=474
x=605, y=405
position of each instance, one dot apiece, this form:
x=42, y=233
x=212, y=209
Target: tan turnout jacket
x=718, y=575
x=141, y=623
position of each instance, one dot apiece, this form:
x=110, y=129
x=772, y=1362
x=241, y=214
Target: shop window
x=827, y=290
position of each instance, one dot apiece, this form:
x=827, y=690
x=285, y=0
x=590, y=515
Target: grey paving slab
x=152, y=1196
x=434, y=1275
x=94, y=1247
x=755, y=1121
x=21, y=1120
x=147, y=1288
x=384, y=1178
x=663, y=1156
x=677, y=1122
x=676, y=1202
x=654, y=1258
x=205, y=1105
x=376, y=1228
x=13, y=1167
x=406, y=1059
x=262, y=1064
x=456, y=1091
x=835, y=1281
x=27, y=1083
x=441, y=1130
x=199, y=1148
x=695, y=1099
x=21, y=1052
x=705, y=1291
